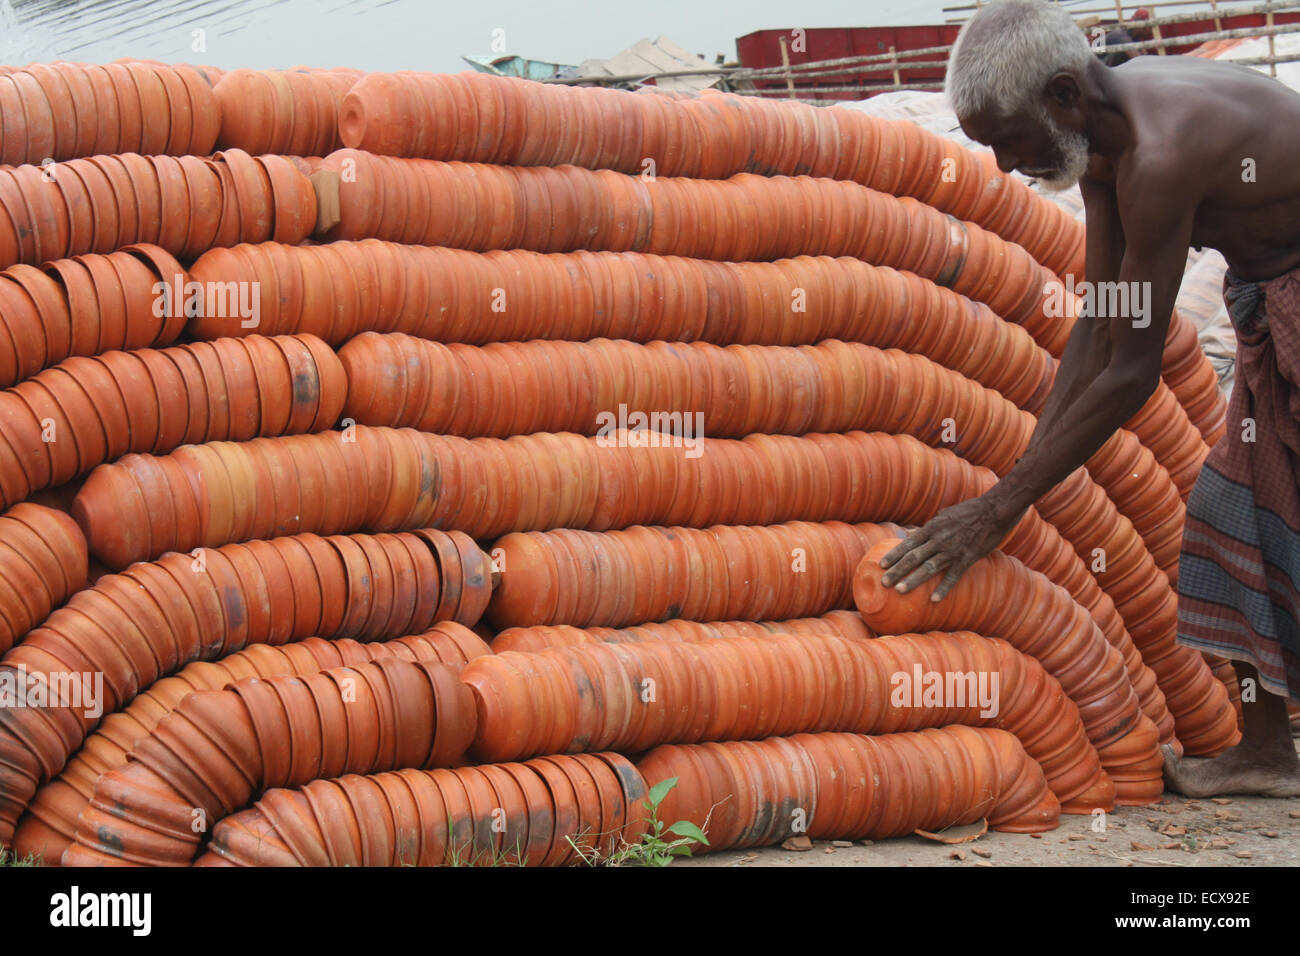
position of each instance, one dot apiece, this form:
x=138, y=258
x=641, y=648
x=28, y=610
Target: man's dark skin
x=1167, y=140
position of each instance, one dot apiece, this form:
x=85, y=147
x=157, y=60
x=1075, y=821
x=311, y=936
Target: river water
x=405, y=34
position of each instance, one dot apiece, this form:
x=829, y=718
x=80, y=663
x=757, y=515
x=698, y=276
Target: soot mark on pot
x=544, y=819
x=305, y=388
x=761, y=824
x=484, y=836
x=109, y=838
x=583, y=687
x=233, y=599
x=406, y=846
x=428, y=484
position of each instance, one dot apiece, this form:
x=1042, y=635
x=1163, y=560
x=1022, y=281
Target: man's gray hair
x=1006, y=53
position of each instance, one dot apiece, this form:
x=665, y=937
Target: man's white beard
x=1073, y=147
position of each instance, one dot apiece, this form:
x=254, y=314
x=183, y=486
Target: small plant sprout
x=7, y=858
x=658, y=847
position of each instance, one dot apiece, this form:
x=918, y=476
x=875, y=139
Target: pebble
x=841, y=843
x=1140, y=846
x=866, y=843
x=1036, y=836
x=1243, y=854
x=1077, y=837
x=1271, y=834
x=1293, y=814
x=1224, y=801
x=956, y=855
x=797, y=843
x=984, y=853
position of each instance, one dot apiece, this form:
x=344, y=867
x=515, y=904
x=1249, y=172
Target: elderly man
x=1169, y=152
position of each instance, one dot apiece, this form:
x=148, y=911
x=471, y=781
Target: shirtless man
x=1169, y=152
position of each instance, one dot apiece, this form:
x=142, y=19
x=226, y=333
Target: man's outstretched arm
x=1088, y=347
x=1126, y=351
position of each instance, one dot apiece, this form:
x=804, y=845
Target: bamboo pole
x=1175, y=18
x=1272, y=50
x=934, y=87
x=785, y=62
x=1198, y=38
x=1160, y=3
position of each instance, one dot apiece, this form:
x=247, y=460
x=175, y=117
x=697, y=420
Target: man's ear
x=1063, y=91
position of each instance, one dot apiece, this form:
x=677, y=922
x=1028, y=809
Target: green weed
x=661, y=844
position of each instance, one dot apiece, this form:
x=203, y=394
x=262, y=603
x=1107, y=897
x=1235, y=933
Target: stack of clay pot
x=86, y=410
x=424, y=469
x=294, y=112
x=187, y=205
x=84, y=306
x=67, y=110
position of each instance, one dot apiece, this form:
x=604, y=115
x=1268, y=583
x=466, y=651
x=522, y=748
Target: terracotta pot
x=23, y=331
x=252, y=126
x=250, y=203
x=165, y=178
x=61, y=106
x=81, y=215
x=154, y=109
x=205, y=193
x=294, y=200
x=14, y=237
x=48, y=213
x=15, y=122
x=204, y=109
x=130, y=117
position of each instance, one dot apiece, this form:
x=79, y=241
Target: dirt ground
x=1220, y=831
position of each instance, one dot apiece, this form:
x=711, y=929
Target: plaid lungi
x=1239, y=574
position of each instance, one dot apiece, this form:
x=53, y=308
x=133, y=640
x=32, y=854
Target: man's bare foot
x=1236, y=770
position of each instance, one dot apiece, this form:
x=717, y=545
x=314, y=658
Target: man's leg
x=1263, y=763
